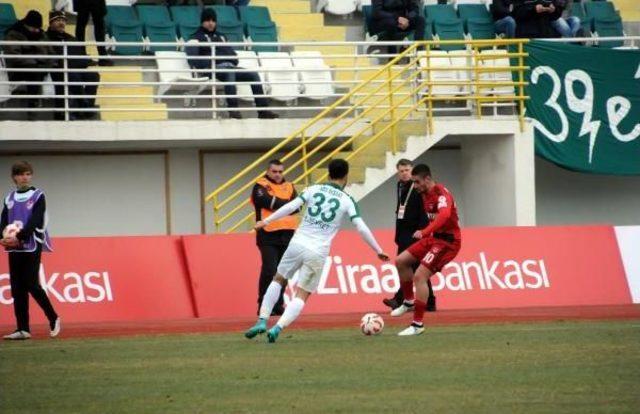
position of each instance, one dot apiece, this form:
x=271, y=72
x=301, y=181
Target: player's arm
x=445, y=205
x=365, y=233
x=289, y=208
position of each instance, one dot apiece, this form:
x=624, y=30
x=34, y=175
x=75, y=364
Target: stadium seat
x=609, y=27
x=281, y=91
x=337, y=7
x=174, y=67
x=495, y=76
x=226, y=15
x=153, y=14
x=449, y=30
x=120, y=14
x=254, y=15
x=248, y=59
x=461, y=60
x=480, y=29
x=5, y=88
x=264, y=32
x=438, y=59
x=126, y=32
x=158, y=26
x=577, y=10
x=599, y=10
x=440, y=12
x=7, y=18
x=478, y=12
x=187, y=20
x=316, y=84
x=185, y=30
x=233, y=32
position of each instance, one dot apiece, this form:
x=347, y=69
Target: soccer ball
x=371, y=324
x=11, y=230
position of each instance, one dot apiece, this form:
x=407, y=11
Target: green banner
x=585, y=106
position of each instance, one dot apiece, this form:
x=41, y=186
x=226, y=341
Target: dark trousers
x=271, y=255
x=98, y=25
x=399, y=296
x=88, y=90
x=393, y=32
x=23, y=275
x=230, y=89
x=30, y=89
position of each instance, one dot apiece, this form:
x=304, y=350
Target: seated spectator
x=566, y=25
x=56, y=32
x=397, y=17
x=534, y=17
x=29, y=29
x=503, y=21
x=207, y=33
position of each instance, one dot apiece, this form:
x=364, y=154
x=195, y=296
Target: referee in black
x=410, y=217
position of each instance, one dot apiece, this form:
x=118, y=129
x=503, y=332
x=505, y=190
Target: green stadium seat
x=481, y=29
x=449, y=30
x=226, y=14
x=120, y=14
x=232, y=32
x=440, y=12
x=186, y=30
x=599, y=10
x=254, y=15
x=263, y=33
x=609, y=27
x=185, y=15
x=577, y=10
x=7, y=18
x=153, y=14
x=479, y=12
x=127, y=32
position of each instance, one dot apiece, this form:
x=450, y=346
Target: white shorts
x=310, y=263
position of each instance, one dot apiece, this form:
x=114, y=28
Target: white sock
x=291, y=313
x=269, y=300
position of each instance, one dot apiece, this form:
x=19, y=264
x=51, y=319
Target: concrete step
x=143, y=94
x=133, y=115
x=311, y=33
x=108, y=74
x=297, y=20
x=284, y=6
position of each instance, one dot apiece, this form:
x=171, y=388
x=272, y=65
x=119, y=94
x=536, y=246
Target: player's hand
x=383, y=256
x=417, y=235
x=10, y=242
x=259, y=225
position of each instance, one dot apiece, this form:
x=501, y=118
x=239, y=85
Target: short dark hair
x=20, y=168
x=421, y=170
x=338, y=169
x=274, y=161
x=404, y=162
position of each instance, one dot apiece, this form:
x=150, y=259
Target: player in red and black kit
x=437, y=245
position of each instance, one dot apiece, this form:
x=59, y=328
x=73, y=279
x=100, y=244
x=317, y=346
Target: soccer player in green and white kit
x=327, y=206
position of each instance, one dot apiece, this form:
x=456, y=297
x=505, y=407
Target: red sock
x=407, y=290
x=418, y=311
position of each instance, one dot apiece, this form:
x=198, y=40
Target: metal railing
x=404, y=88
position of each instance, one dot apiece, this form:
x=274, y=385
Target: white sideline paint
x=629, y=245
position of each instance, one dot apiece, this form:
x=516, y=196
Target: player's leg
x=404, y=264
x=291, y=313
x=420, y=279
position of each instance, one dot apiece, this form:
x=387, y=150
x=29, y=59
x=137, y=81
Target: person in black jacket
x=534, y=17
x=57, y=23
x=207, y=33
x=97, y=9
x=396, y=17
x=270, y=193
x=410, y=217
x=502, y=18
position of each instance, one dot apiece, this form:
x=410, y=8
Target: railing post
x=216, y=214
x=65, y=65
x=214, y=104
x=475, y=56
x=521, y=86
x=430, y=87
x=392, y=114
x=305, y=165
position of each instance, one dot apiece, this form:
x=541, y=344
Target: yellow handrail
x=385, y=93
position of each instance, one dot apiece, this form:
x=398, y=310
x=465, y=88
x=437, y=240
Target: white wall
x=91, y=195
x=567, y=197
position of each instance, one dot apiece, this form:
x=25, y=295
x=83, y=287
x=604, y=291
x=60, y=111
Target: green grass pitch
x=564, y=367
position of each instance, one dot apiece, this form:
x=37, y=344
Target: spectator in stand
x=29, y=29
x=97, y=9
x=534, y=17
x=503, y=21
x=566, y=25
x=396, y=17
x=57, y=23
x=207, y=33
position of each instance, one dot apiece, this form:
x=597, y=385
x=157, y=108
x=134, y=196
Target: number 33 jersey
x=327, y=206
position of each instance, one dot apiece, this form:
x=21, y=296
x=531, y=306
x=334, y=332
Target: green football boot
x=259, y=328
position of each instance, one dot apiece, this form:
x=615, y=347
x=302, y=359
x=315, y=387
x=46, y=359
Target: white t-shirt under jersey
x=327, y=206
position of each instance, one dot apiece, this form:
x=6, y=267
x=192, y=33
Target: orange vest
x=284, y=191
